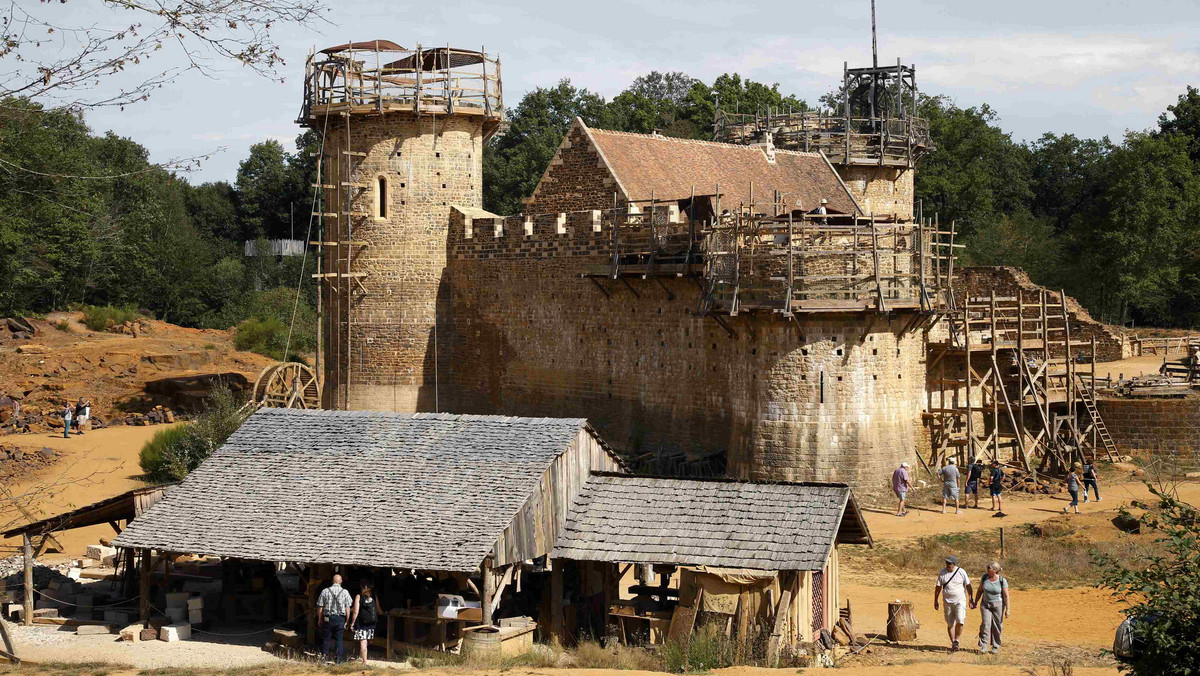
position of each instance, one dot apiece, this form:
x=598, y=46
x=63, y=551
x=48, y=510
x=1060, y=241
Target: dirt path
x=95, y=466
x=885, y=525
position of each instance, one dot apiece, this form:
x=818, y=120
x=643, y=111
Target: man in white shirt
x=954, y=588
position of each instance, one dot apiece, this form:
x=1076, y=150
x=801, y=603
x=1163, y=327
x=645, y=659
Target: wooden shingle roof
x=767, y=526
x=425, y=491
x=669, y=168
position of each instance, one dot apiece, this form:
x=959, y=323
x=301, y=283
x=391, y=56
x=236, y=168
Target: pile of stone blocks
x=180, y=611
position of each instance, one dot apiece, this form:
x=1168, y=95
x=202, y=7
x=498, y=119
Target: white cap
x=904, y=464
x=824, y=201
x=951, y=461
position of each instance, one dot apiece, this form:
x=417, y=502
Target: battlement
x=742, y=262
x=376, y=77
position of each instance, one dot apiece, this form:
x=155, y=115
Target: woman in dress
x=992, y=599
x=364, y=617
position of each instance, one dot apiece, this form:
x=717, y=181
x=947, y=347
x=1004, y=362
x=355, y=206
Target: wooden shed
x=436, y=497
x=763, y=556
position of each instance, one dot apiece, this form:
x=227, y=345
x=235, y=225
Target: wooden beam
x=144, y=575
x=557, y=629
x=782, y=610
x=28, y=581
x=489, y=590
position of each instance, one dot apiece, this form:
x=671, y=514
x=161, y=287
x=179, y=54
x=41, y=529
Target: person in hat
x=821, y=210
x=901, y=484
x=949, y=477
x=1074, y=483
x=954, y=591
x=996, y=485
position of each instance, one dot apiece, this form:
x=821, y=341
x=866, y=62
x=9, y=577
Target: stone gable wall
x=576, y=179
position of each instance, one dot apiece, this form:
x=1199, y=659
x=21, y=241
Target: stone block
x=149, y=634
x=177, y=615
x=288, y=639
x=118, y=617
x=132, y=633
x=195, y=616
x=14, y=612
x=94, y=629
x=85, y=601
x=177, y=599
x=175, y=632
x=195, y=603
x=101, y=553
x=74, y=573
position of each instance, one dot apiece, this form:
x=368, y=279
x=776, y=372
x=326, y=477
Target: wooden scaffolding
x=1008, y=382
x=765, y=257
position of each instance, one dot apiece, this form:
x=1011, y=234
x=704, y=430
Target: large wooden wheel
x=287, y=385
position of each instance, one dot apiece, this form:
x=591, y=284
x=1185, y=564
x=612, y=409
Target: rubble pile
x=1021, y=482
x=16, y=462
x=16, y=328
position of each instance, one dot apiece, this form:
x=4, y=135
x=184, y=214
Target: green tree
x=1064, y=176
x=978, y=172
x=270, y=192
x=1140, y=231
x=1184, y=118
x=1161, y=590
x=212, y=210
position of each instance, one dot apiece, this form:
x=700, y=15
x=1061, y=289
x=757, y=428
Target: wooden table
x=438, y=636
x=657, y=623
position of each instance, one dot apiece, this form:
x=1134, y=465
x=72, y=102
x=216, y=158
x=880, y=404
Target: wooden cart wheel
x=287, y=385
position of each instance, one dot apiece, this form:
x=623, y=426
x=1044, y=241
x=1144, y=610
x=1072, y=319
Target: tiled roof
x=425, y=491
x=768, y=526
x=670, y=167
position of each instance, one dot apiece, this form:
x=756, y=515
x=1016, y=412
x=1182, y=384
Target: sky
x=1091, y=68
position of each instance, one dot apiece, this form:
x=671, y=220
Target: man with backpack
x=954, y=590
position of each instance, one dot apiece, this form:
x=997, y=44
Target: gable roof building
x=592, y=164
x=704, y=522
x=420, y=491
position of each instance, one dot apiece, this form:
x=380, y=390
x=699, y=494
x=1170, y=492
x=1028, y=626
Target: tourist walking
x=901, y=484
x=1073, y=485
x=1090, y=480
x=974, y=473
x=364, y=618
x=992, y=599
x=332, y=607
x=954, y=590
x=949, y=477
x=996, y=486
x=82, y=413
x=66, y=416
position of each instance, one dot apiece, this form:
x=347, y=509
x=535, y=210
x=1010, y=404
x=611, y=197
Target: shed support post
x=557, y=629
x=489, y=590
x=147, y=570
x=28, y=582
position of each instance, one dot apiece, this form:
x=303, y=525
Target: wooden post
x=489, y=590
x=1001, y=542
x=144, y=575
x=28, y=582
x=557, y=630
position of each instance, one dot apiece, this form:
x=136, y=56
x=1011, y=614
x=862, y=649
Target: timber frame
x=1007, y=384
x=876, y=122
x=766, y=257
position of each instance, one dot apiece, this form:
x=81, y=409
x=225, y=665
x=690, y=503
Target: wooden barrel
x=482, y=643
x=901, y=623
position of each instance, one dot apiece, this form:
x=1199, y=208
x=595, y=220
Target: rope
x=228, y=634
x=68, y=603
x=304, y=257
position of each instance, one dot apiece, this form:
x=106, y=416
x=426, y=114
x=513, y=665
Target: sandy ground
x=1131, y=367
x=885, y=525
x=94, y=466
x=50, y=644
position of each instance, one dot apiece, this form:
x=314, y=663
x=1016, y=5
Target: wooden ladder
x=1089, y=403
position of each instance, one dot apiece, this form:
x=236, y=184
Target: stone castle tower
x=404, y=131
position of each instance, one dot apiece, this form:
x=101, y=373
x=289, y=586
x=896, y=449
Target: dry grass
x=1053, y=554
x=62, y=669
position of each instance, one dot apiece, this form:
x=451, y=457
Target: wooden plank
x=683, y=620
x=782, y=611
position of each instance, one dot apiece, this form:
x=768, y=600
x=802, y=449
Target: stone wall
x=392, y=339
x=825, y=398
x=1155, y=428
x=576, y=179
x=880, y=190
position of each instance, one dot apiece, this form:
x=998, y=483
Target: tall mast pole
x=874, y=45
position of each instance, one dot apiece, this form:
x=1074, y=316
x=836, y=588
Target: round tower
x=403, y=133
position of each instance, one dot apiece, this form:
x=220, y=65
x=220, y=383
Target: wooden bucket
x=481, y=643
x=901, y=623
